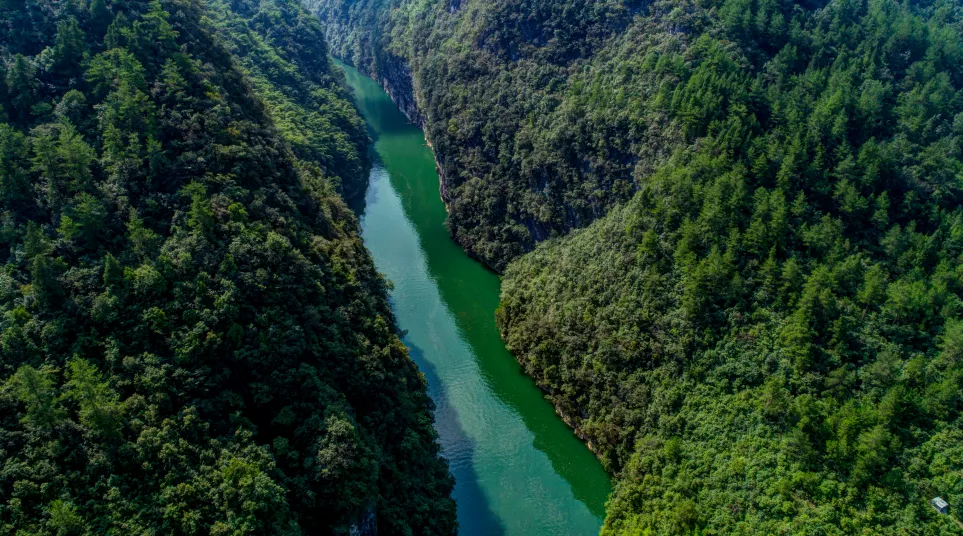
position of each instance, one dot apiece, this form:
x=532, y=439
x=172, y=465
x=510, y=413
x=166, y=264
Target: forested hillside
x=764, y=336
x=768, y=336
x=524, y=154
x=193, y=339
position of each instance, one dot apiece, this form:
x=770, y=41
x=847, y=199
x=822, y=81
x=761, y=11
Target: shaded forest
x=761, y=331
x=193, y=339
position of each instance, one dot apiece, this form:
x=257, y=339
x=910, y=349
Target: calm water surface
x=519, y=469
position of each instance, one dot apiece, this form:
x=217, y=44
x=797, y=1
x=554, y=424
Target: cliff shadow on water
x=519, y=469
x=472, y=505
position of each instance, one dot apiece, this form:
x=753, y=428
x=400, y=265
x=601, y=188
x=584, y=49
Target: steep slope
x=767, y=339
x=281, y=49
x=766, y=336
x=193, y=338
x=522, y=159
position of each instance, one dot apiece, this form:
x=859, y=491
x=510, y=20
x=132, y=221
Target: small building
x=940, y=505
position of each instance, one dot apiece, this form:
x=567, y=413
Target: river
x=519, y=470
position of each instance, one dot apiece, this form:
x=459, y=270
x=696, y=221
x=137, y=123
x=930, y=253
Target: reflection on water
x=518, y=468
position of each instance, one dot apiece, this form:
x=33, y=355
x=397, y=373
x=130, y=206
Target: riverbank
x=518, y=468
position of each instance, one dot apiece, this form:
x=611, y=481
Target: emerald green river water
x=519, y=470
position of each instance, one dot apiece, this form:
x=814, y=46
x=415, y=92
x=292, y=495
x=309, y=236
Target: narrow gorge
x=518, y=470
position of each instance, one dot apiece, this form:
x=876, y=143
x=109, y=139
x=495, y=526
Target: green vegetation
x=765, y=337
x=193, y=339
x=525, y=156
x=281, y=48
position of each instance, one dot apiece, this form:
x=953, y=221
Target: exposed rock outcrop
x=394, y=75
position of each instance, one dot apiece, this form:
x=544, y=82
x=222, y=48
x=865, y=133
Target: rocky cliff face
x=394, y=75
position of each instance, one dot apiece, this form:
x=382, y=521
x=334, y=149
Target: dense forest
x=761, y=331
x=524, y=157
x=193, y=339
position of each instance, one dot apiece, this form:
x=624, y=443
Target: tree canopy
x=193, y=339
x=760, y=333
